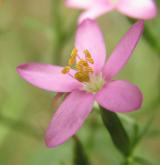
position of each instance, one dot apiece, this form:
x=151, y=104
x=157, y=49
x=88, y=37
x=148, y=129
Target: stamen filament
x=70, y=75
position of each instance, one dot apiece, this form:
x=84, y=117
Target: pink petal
x=123, y=50
x=69, y=117
x=120, y=96
x=47, y=77
x=89, y=37
x=141, y=9
x=86, y=4
x=79, y=3
x=95, y=11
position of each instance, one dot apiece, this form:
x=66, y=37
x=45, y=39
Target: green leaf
x=117, y=132
x=80, y=157
x=142, y=161
x=143, y=132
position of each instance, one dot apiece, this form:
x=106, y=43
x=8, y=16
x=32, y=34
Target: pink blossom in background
x=97, y=85
x=140, y=9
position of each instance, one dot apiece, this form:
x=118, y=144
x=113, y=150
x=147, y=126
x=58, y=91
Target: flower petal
x=141, y=9
x=89, y=37
x=79, y=3
x=48, y=77
x=95, y=11
x=87, y=3
x=123, y=50
x=69, y=117
x=120, y=96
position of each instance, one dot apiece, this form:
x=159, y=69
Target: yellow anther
x=74, y=52
x=84, y=70
x=71, y=61
x=81, y=65
x=90, y=60
x=73, y=56
x=82, y=76
x=89, y=69
x=88, y=56
x=66, y=69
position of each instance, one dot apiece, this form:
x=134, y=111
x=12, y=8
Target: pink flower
x=90, y=82
x=140, y=9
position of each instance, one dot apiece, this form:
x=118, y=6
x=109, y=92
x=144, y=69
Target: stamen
x=84, y=70
x=70, y=75
x=71, y=61
x=81, y=65
x=88, y=56
x=89, y=69
x=66, y=69
x=81, y=76
x=74, y=52
x=73, y=56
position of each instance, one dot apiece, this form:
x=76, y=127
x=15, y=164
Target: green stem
x=128, y=161
x=80, y=156
x=20, y=126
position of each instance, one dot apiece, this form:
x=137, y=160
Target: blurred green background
x=27, y=34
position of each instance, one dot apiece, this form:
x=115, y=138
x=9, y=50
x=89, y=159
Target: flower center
x=95, y=84
x=84, y=71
